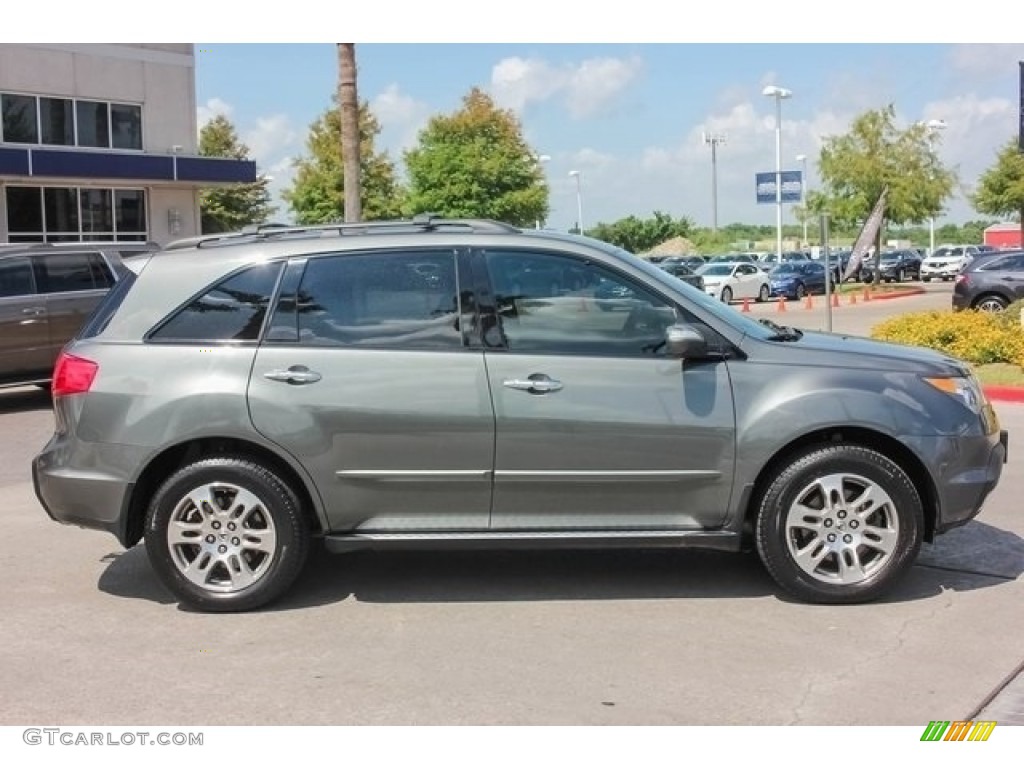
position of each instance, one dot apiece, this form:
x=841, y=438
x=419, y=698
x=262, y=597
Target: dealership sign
x=792, y=186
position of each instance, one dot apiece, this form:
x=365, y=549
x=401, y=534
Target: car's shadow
x=22, y=399
x=984, y=556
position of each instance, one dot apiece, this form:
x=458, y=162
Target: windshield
x=717, y=270
x=784, y=269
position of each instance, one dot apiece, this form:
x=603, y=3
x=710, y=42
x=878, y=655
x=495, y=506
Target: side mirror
x=685, y=342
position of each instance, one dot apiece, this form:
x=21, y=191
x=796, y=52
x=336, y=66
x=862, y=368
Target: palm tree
x=348, y=105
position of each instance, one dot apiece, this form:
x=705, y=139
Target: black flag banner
x=867, y=235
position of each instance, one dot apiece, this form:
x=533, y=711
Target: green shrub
x=976, y=337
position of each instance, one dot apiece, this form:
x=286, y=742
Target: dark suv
x=443, y=383
x=990, y=283
x=46, y=293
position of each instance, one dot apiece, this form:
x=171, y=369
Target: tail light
x=960, y=279
x=73, y=375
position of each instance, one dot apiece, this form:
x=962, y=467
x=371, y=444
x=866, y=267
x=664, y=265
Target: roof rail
x=420, y=222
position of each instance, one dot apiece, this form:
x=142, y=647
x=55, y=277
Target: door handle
x=34, y=311
x=296, y=374
x=535, y=384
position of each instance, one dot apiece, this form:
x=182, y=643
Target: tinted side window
x=102, y=276
x=559, y=305
x=16, y=278
x=403, y=299
x=233, y=310
x=1007, y=264
x=61, y=272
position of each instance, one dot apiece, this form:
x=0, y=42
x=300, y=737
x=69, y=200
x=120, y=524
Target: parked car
x=693, y=261
x=46, y=293
x=233, y=403
x=947, y=262
x=729, y=280
x=684, y=273
x=990, y=283
x=769, y=261
x=894, y=266
x=839, y=260
x=732, y=258
x=796, y=279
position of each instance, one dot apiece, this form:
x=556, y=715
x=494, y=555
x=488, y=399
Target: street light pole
x=579, y=200
x=777, y=93
x=932, y=126
x=803, y=193
x=714, y=139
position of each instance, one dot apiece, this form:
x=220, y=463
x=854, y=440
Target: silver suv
x=435, y=383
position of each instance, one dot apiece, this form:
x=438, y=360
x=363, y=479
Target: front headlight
x=966, y=389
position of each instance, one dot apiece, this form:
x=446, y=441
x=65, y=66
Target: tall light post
x=803, y=193
x=933, y=127
x=777, y=93
x=714, y=139
x=578, y=175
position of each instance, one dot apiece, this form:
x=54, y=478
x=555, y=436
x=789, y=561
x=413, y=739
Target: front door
x=596, y=428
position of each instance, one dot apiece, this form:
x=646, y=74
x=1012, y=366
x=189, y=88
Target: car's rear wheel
x=925, y=279
x=727, y=294
x=800, y=290
x=226, y=534
x=839, y=524
x=991, y=303
x=764, y=294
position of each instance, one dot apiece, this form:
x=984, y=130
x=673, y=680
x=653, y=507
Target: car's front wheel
x=839, y=524
x=226, y=534
x=765, y=293
x=727, y=294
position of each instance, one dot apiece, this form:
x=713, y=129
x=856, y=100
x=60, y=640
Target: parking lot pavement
x=589, y=638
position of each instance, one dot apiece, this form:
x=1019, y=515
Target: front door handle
x=34, y=311
x=535, y=384
x=297, y=374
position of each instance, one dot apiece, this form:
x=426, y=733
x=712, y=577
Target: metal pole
x=803, y=195
x=828, y=272
x=931, y=236
x=714, y=184
x=778, y=177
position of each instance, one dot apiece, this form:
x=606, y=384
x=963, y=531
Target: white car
x=947, y=262
x=729, y=281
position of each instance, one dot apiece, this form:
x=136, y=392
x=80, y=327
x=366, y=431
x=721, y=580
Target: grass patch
x=858, y=288
x=1000, y=374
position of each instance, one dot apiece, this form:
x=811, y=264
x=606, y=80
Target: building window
x=70, y=122
x=73, y=214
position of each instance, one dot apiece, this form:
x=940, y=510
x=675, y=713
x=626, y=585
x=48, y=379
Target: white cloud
x=270, y=137
x=401, y=118
x=986, y=60
x=213, y=107
x=588, y=88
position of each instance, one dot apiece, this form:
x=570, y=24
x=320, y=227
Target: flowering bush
x=976, y=337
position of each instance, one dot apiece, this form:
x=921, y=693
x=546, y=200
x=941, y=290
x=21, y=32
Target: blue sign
x=792, y=186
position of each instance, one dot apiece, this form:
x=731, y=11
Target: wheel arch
x=168, y=461
x=896, y=451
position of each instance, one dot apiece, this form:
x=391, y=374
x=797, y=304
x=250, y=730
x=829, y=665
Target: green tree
x=1001, y=188
x=317, y=193
x=640, y=235
x=228, y=208
x=475, y=163
x=874, y=155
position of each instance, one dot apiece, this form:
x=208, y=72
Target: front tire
x=764, y=294
x=726, y=295
x=839, y=524
x=226, y=534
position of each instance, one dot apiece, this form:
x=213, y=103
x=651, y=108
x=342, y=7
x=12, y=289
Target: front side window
x=551, y=304
x=233, y=310
x=406, y=300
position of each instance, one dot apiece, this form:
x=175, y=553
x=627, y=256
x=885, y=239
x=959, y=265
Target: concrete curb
x=903, y=292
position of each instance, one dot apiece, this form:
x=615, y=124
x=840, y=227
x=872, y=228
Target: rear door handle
x=535, y=384
x=296, y=374
x=34, y=311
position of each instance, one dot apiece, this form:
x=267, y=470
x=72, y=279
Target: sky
x=629, y=116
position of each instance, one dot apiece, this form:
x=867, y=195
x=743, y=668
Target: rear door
x=370, y=378
x=24, y=332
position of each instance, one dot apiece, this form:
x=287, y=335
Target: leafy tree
x=475, y=163
x=1001, y=188
x=225, y=209
x=349, y=104
x=318, y=191
x=875, y=155
x=639, y=235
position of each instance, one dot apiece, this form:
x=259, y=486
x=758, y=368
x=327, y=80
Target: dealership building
x=99, y=142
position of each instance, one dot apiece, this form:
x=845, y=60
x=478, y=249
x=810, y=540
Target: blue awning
x=61, y=163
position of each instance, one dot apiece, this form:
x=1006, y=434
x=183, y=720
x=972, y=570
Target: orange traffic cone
x=809, y=302
x=746, y=305
x=853, y=298
x=782, y=303
x=867, y=294
x=835, y=299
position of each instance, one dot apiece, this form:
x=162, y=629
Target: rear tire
x=726, y=295
x=990, y=303
x=839, y=524
x=226, y=534
x=764, y=294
